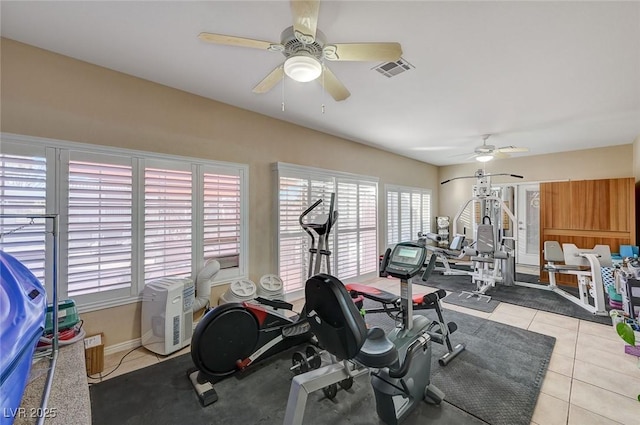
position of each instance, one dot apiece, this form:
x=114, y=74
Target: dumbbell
x=304, y=362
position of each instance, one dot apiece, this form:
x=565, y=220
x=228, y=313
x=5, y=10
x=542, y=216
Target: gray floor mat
x=538, y=299
x=498, y=376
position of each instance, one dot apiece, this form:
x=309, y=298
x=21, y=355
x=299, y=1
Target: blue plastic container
x=23, y=304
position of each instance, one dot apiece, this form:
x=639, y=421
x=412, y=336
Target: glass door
x=529, y=224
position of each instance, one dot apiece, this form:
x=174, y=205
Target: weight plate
x=299, y=363
x=313, y=357
x=330, y=391
x=345, y=384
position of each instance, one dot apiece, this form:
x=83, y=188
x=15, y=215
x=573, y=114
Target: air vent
x=391, y=69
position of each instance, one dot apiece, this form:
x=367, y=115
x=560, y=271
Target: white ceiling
x=549, y=76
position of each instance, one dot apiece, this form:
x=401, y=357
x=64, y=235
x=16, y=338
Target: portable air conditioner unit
x=167, y=315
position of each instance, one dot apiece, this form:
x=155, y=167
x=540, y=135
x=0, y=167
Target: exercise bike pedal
x=433, y=395
x=452, y=326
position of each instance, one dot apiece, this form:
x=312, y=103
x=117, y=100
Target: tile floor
x=590, y=379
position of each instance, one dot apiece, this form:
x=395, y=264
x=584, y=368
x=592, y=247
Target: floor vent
x=391, y=69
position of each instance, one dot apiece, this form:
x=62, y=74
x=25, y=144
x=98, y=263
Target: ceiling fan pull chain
x=323, y=90
x=283, y=79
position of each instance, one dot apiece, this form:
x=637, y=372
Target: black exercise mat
x=498, y=376
x=518, y=295
x=161, y=394
x=500, y=372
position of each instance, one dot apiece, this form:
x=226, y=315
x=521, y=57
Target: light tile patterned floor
x=590, y=379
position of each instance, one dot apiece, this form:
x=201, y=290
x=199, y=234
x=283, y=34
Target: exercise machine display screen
x=406, y=255
x=406, y=261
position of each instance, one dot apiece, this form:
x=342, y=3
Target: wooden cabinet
x=587, y=213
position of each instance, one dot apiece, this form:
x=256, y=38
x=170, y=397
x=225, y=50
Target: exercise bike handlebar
x=415, y=346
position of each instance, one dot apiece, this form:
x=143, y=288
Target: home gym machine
x=217, y=350
x=399, y=362
x=494, y=234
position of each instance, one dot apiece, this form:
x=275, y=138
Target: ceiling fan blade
x=333, y=86
x=230, y=40
x=512, y=149
x=363, y=52
x=270, y=80
x=305, y=19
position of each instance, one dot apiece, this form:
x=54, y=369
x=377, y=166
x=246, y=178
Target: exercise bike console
x=406, y=260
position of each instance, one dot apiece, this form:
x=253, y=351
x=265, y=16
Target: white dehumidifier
x=167, y=315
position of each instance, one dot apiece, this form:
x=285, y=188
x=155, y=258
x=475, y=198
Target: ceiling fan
x=305, y=49
x=485, y=153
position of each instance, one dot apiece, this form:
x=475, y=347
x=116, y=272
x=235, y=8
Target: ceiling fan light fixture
x=484, y=158
x=302, y=68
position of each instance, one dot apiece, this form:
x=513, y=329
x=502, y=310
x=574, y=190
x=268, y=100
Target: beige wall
x=585, y=164
x=49, y=95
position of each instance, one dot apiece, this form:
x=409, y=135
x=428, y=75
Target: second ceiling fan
x=305, y=49
x=486, y=152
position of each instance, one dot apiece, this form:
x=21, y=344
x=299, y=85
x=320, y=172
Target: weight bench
x=454, y=252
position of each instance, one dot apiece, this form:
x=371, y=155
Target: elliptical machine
x=401, y=360
x=321, y=225
x=217, y=351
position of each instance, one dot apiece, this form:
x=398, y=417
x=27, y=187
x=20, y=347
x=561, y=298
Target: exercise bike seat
x=339, y=327
x=377, y=351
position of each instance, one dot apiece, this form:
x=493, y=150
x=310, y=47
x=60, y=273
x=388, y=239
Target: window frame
x=56, y=157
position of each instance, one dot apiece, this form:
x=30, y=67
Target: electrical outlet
x=92, y=341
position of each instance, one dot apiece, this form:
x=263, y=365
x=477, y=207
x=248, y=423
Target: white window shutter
x=408, y=212
x=222, y=218
x=167, y=223
x=368, y=216
x=293, y=241
x=23, y=191
x=99, y=247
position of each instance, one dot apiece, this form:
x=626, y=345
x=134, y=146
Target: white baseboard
x=127, y=345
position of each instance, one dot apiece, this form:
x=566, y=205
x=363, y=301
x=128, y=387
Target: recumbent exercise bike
x=399, y=362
